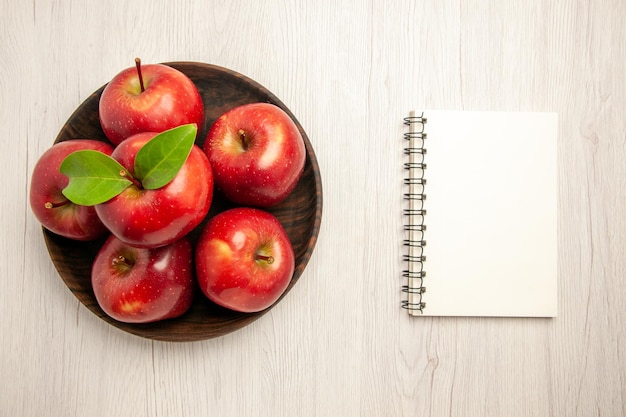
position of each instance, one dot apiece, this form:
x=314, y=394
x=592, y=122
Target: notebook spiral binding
x=414, y=213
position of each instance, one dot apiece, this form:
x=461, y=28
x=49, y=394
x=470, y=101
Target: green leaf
x=160, y=159
x=94, y=177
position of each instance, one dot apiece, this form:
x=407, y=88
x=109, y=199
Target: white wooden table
x=339, y=344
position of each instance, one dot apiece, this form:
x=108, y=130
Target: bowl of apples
x=180, y=201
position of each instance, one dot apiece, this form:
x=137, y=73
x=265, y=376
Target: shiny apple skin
x=151, y=218
x=227, y=268
x=265, y=172
x=169, y=99
x=47, y=182
x=158, y=283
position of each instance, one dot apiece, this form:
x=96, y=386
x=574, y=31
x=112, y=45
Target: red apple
x=55, y=212
x=257, y=154
x=150, y=218
x=148, y=98
x=244, y=259
x=135, y=285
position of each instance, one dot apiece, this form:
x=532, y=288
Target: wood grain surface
x=338, y=343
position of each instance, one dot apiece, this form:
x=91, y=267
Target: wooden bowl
x=300, y=213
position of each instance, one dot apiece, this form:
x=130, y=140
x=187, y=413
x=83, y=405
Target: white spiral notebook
x=480, y=214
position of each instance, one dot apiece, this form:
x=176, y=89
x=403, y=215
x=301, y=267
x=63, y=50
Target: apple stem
x=121, y=260
x=138, y=65
x=243, y=138
x=50, y=205
x=268, y=259
x=130, y=178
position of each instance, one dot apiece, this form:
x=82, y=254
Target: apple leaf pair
x=95, y=177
